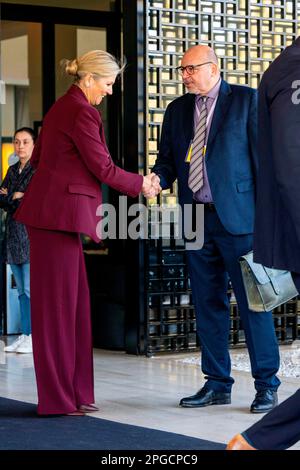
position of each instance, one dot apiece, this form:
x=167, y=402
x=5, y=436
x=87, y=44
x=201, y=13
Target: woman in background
x=16, y=244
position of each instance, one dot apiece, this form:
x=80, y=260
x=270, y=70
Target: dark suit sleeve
x=6, y=180
x=164, y=165
x=93, y=151
x=252, y=128
x=4, y=203
x=285, y=121
x=12, y=204
x=7, y=203
x=21, y=186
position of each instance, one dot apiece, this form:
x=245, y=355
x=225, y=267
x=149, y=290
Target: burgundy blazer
x=71, y=160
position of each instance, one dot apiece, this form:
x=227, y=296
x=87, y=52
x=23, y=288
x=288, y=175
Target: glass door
x=21, y=75
x=33, y=41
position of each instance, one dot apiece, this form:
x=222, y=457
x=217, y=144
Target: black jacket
x=16, y=243
x=277, y=224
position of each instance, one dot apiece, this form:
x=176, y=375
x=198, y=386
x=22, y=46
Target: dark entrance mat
x=22, y=429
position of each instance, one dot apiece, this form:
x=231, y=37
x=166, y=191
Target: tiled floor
x=146, y=391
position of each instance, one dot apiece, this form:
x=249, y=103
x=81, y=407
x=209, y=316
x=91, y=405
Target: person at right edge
x=62, y=201
x=277, y=224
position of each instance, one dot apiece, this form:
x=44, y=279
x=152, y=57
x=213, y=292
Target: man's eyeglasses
x=190, y=69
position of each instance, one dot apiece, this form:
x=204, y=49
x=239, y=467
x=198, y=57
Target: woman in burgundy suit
x=71, y=160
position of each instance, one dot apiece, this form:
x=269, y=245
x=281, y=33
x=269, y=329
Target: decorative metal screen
x=247, y=36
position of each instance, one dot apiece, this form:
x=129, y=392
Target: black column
x=134, y=160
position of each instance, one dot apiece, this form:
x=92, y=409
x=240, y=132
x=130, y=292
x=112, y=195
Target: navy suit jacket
x=231, y=154
x=277, y=226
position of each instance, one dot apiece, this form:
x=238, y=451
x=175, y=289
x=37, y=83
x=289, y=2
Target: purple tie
x=195, y=181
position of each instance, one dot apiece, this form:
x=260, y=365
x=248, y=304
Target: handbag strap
x=263, y=274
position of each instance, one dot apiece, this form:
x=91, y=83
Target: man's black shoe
x=206, y=397
x=264, y=401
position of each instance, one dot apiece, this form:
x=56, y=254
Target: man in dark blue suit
x=209, y=144
x=277, y=221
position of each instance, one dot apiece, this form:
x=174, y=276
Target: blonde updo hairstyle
x=96, y=62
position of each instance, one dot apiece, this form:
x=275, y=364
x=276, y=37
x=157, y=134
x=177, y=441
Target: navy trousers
x=209, y=269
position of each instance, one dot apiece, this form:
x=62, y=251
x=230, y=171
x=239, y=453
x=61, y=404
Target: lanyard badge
x=189, y=152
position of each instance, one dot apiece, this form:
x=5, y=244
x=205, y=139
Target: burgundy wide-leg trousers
x=61, y=322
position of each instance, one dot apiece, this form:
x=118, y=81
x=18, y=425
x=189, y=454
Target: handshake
x=151, y=185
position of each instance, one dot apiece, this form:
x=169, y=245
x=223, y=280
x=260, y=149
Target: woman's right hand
x=3, y=191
